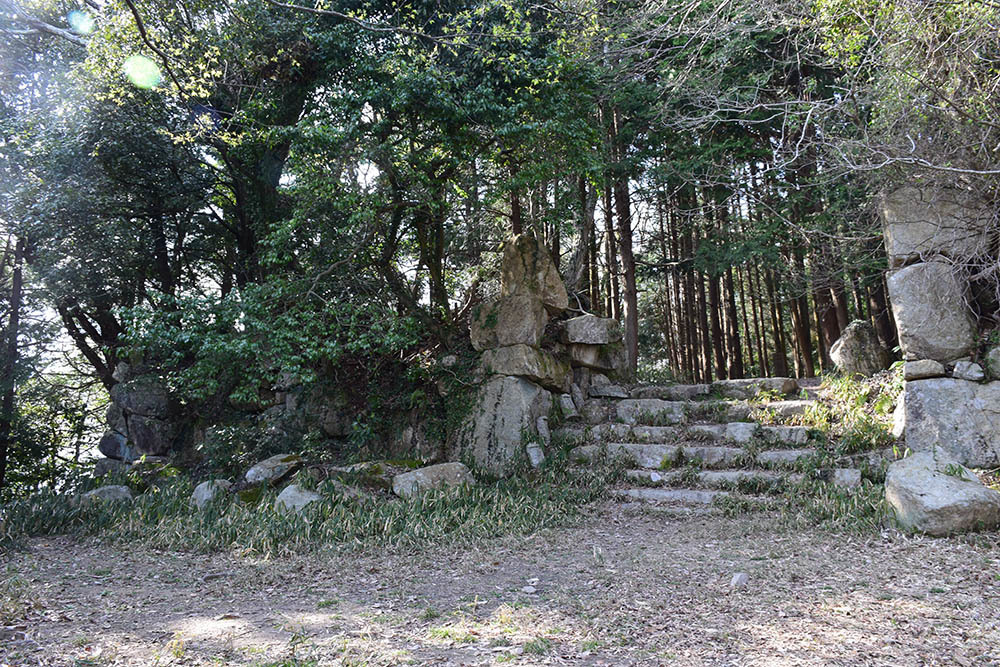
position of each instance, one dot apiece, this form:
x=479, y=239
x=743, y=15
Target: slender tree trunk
x=10, y=362
x=777, y=327
x=631, y=295
x=614, y=307
x=715, y=318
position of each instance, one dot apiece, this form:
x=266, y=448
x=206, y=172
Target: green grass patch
x=163, y=517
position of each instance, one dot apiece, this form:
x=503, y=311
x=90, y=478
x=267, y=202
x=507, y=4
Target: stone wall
x=950, y=400
x=526, y=375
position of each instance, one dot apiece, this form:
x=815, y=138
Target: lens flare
x=142, y=72
x=81, y=22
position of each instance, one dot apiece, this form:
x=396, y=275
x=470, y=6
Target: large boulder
x=208, y=490
x=107, y=494
x=858, y=351
x=528, y=268
x=919, y=223
x=932, y=317
x=409, y=484
x=531, y=363
x=510, y=320
x=506, y=411
x=958, y=416
x=931, y=493
x=591, y=330
x=115, y=446
x=273, y=469
x=293, y=498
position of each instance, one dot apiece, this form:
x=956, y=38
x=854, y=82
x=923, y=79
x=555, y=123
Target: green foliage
x=163, y=517
x=860, y=416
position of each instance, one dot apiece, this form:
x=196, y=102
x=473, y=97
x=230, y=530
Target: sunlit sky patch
x=142, y=72
x=81, y=22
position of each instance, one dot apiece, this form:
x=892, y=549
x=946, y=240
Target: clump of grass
x=860, y=410
x=15, y=598
x=861, y=509
x=163, y=517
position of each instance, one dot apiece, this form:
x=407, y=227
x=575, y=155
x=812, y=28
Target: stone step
x=749, y=388
x=661, y=412
x=650, y=411
x=675, y=392
x=743, y=432
x=670, y=496
x=789, y=409
x=657, y=456
x=713, y=478
x=739, y=432
x=618, y=432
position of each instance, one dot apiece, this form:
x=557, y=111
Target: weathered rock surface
x=108, y=494
x=293, y=498
x=115, y=446
x=527, y=268
x=568, y=408
x=536, y=455
x=207, y=490
x=923, y=222
x=591, y=330
x=921, y=369
x=608, y=391
x=507, y=408
x=150, y=435
x=609, y=358
x=409, y=484
x=932, y=318
x=958, y=416
x=968, y=370
x=273, y=469
x=511, y=320
x=858, y=351
x=531, y=363
x=931, y=493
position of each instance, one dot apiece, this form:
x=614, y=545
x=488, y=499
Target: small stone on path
x=739, y=581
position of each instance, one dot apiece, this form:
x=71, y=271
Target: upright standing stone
x=920, y=223
x=528, y=269
x=511, y=320
x=932, y=317
x=507, y=410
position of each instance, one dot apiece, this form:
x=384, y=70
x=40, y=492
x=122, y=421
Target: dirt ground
x=621, y=587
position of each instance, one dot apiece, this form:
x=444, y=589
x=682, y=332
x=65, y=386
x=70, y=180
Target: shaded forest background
x=236, y=193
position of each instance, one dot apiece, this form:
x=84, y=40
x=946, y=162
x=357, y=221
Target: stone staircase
x=687, y=446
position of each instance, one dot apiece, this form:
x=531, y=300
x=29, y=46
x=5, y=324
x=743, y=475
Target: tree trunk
x=8, y=386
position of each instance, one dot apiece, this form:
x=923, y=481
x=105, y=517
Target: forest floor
x=622, y=586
